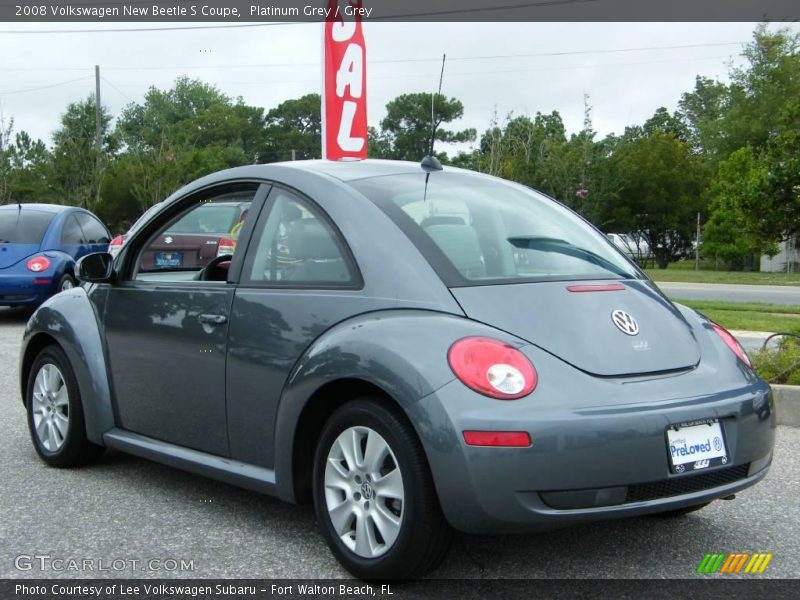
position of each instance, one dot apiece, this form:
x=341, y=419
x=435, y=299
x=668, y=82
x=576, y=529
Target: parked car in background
x=39, y=244
x=411, y=349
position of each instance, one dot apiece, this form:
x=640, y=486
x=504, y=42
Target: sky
x=623, y=67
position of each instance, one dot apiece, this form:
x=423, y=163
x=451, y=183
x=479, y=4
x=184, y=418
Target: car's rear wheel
x=67, y=282
x=55, y=414
x=374, y=496
x=679, y=512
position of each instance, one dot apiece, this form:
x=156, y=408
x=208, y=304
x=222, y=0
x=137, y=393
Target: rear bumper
x=599, y=461
x=21, y=290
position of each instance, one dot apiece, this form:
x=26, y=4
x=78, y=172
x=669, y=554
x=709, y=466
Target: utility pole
x=97, y=134
x=293, y=154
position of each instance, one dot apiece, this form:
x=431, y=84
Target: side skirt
x=228, y=470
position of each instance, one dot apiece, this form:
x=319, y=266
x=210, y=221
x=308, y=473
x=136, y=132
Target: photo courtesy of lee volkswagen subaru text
x=413, y=349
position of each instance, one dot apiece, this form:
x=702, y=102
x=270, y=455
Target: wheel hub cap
x=50, y=405
x=364, y=492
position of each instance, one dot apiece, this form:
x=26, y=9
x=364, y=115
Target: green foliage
x=77, y=168
x=407, y=125
x=294, y=125
x=781, y=365
x=662, y=188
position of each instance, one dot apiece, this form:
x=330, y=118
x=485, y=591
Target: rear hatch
x=21, y=233
x=578, y=327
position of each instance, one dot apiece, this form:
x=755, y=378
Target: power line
x=391, y=60
x=44, y=87
x=119, y=91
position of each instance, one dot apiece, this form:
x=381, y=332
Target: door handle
x=213, y=319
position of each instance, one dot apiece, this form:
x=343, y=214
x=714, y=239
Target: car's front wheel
x=374, y=496
x=55, y=414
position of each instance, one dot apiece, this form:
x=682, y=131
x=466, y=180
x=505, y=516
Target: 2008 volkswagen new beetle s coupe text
x=410, y=348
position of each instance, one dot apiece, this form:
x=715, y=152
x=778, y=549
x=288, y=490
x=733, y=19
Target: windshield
x=475, y=229
x=23, y=227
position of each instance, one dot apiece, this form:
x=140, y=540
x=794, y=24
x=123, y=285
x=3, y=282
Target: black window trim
x=357, y=280
x=125, y=276
x=90, y=215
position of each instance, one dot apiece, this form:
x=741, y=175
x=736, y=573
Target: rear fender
x=402, y=352
x=69, y=319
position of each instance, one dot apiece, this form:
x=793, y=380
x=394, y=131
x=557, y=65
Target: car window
x=71, y=232
x=476, y=229
x=295, y=245
x=186, y=244
x=93, y=230
x=23, y=226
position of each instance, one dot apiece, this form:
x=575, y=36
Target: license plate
x=169, y=259
x=696, y=446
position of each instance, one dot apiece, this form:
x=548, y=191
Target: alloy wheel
x=50, y=407
x=364, y=492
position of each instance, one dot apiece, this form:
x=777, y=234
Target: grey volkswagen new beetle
x=412, y=349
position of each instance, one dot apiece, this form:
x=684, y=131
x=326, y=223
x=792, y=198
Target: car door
x=167, y=331
x=298, y=279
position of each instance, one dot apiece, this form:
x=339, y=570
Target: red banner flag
x=344, y=89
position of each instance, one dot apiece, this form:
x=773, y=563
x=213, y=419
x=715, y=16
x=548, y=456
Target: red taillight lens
x=732, y=343
x=226, y=246
x=117, y=241
x=504, y=439
x=492, y=368
x=38, y=264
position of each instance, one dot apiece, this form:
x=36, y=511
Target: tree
x=294, y=125
x=75, y=175
x=701, y=111
x=663, y=187
x=6, y=131
x=30, y=163
x=408, y=128
x=180, y=134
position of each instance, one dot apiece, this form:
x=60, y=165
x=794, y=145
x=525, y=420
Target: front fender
x=402, y=352
x=70, y=319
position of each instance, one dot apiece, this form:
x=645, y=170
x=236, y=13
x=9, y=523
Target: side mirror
x=95, y=268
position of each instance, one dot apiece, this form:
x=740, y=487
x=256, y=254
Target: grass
x=690, y=276
x=750, y=316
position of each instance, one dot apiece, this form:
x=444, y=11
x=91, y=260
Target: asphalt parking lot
x=127, y=509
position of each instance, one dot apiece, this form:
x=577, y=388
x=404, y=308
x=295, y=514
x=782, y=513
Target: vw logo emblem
x=624, y=322
x=366, y=491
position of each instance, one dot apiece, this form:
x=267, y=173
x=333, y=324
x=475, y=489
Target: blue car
x=39, y=244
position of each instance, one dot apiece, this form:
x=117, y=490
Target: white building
x=785, y=261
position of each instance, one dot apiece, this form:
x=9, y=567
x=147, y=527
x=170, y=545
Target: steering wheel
x=216, y=269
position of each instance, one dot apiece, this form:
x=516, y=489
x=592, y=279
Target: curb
x=787, y=404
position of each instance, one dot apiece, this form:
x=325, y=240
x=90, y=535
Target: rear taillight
x=226, y=246
x=38, y=264
x=732, y=343
x=115, y=245
x=492, y=368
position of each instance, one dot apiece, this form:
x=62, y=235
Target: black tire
x=66, y=280
x=424, y=535
x=75, y=449
x=679, y=512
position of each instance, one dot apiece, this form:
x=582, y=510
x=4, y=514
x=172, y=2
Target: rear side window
x=71, y=232
x=23, y=227
x=93, y=230
x=294, y=245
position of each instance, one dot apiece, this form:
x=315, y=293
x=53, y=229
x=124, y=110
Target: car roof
x=51, y=208
x=357, y=169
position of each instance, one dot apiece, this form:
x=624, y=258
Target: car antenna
x=430, y=162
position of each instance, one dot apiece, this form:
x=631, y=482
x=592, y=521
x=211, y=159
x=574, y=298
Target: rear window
x=23, y=227
x=477, y=230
